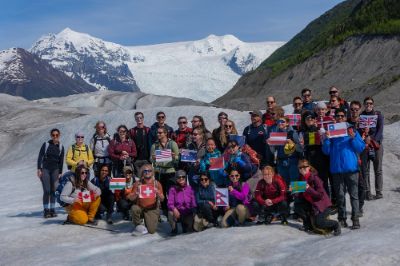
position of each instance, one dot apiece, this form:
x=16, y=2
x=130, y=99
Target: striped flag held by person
x=337, y=130
x=163, y=156
x=117, y=184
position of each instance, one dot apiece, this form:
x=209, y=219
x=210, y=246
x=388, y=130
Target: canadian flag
x=86, y=196
x=146, y=192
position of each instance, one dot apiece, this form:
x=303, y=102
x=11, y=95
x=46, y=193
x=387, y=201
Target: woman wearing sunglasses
x=206, y=208
x=313, y=205
x=236, y=159
x=239, y=201
x=216, y=176
x=49, y=169
x=198, y=144
x=122, y=151
x=228, y=129
x=82, y=196
x=79, y=153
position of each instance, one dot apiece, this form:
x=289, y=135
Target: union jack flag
x=368, y=121
x=294, y=119
x=163, y=155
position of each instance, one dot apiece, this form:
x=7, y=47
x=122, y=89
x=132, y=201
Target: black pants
x=264, y=211
x=362, y=188
x=205, y=211
x=166, y=181
x=107, y=202
x=124, y=206
x=322, y=222
x=304, y=210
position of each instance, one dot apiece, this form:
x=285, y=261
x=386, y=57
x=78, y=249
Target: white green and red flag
x=117, y=184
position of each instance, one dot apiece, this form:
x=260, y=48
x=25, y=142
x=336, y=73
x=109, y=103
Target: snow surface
x=28, y=239
x=201, y=70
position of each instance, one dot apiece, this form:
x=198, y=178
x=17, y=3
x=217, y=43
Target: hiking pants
x=346, y=182
x=186, y=221
x=239, y=213
x=303, y=209
x=287, y=168
x=107, y=202
x=377, y=164
x=49, y=180
x=80, y=213
x=166, y=181
x=322, y=221
x=205, y=211
x=150, y=217
x=124, y=205
x=281, y=208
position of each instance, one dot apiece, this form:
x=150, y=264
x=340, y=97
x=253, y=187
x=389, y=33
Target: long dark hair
x=79, y=183
x=116, y=135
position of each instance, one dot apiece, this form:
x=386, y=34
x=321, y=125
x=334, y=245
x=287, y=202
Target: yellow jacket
x=79, y=154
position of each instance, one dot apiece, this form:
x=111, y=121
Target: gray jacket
x=69, y=194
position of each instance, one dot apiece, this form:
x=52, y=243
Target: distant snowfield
x=28, y=239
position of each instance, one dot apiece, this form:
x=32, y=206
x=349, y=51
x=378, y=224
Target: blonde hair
x=223, y=138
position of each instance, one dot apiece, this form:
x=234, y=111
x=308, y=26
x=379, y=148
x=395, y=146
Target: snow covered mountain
x=24, y=74
x=201, y=70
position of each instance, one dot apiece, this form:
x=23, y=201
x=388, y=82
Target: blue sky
x=140, y=22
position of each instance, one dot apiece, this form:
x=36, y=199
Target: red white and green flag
x=117, y=184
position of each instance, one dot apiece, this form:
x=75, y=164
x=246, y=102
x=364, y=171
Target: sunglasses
x=232, y=176
x=269, y=102
x=55, y=135
x=297, y=103
x=354, y=110
x=333, y=92
x=228, y=126
x=159, y=133
x=231, y=146
x=369, y=103
x=181, y=177
x=146, y=171
x=281, y=122
x=306, y=95
x=101, y=127
x=182, y=122
x=80, y=137
x=204, y=179
x=160, y=117
x=339, y=116
x=84, y=173
x=303, y=167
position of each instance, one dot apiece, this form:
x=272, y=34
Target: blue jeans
x=341, y=183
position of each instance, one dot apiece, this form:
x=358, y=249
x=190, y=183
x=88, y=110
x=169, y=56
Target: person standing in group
x=198, y=122
x=49, y=169
x=122, y=151
x=297, y=105
x=198, y=144
x=228, y=129
x=161, y=118
x=267, y=118
x=334, y=91
x=79, y=153
x=308, y=103
x=99, y=145
x=183, y=133
x=222, y=118
x=140, y=135
x=147, y=208
x=164, y=170
x=373, y=137
x=343, y=152
x=212, y=152
x=333, y=105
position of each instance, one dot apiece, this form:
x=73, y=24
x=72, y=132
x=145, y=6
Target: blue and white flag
x=188, y=155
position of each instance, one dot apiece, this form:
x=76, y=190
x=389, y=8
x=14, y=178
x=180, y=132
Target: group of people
x=260, y=176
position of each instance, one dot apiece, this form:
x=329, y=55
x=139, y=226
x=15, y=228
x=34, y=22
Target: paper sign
x=337, y=130
x=277, y=138
x=294, y=119
x=241, y=140
x=221, y=197
x=368, y=121
x=163, y=156
x=117, y=184
x=312, y=138
x=216, y=163
x=86, y=196
x=146, y=192
x=188, y=155
x=298, y=186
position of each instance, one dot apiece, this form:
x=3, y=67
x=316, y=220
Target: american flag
x=163, y=156
x=337, y=130
x=368, y=121
x=294, y=119
x=277, y=138
x=188, y=155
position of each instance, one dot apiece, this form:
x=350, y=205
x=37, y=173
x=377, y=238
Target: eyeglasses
x=222, y=118
x=306, y=95
x=122, y=131
x=339, y=116
x=195, y=121
x=182, y=122
x=228, y=126
x=354, y=110
x=160, y=132
x=55, y=135
x=203, y=179
x=297, y=103
x=232, y=176
x=195, y=134
x=333, y=92
x=303, y=166
x=80, y=137
x=101, y=127
x=84, y=173
x=181, y=177
x=146, y=171
x=270, y=102
x=369, y=103
x=231, y=146
x=160, y=117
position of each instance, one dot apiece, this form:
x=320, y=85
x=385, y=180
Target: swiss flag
x=146, y=192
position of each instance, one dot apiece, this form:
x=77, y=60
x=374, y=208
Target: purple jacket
x=316, y=194
x=182, y=198
x=240, y=194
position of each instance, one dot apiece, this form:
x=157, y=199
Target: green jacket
x=165, y=167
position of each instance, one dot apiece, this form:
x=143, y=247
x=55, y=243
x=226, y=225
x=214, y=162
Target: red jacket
x=316, y=194
x=276, y=191
x=182, y=137
x=115, y=148
x=268, y=119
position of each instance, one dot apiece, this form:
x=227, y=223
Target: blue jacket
x=205, y=194
x=343, y=153
x=291, y=134
x=219, y=179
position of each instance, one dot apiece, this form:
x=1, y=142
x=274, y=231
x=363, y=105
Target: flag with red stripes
x=277, y=138
x=337, y=130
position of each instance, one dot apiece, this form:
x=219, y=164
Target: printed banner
x=117, y=184
x=188, y=156
x=298, y=186
x=216, y=163
x=294, y=119
x=241, y=140
x=368, y=121
x=221, y=197
x=163, y=156
x=277, y=138
x=337, y=130
x=146, y=192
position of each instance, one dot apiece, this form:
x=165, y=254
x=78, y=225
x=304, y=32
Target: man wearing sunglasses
x=182, y=135
x=161, y=118
x=222, y=118
x=374, y=152
x=343, y=152
x=79, y=153
x=140, y=135
x=308, y=103
x=334, y=91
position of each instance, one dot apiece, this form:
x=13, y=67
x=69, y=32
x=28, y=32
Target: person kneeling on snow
x=181, y=204
x=314, y=204
x=270, y=194
x=147, y=195
x=102, y=181
x=82, y=196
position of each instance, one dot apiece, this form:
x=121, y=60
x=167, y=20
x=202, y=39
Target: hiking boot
x=174, y=232
x=369, y=196
x=210, y=225
x=305, y=228
x=337, y=230
x=93, y=222
x=343, y=223
x=108, y=219
x=378, y=196
x=361, y=213
x=268, y=219
x=284, y=220
x=46, y=213
x=356, y=224
x=53, y=213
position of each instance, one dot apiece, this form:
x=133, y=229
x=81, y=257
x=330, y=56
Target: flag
x=277, y=138
x=368, y=121
x=163, y=156
x=117, y=184
x=294, y=119
x=216, y=163
x=241, y=140
x=188, y=155
x=312, y=138
x=324, y=121
x=337, y=130
x=221, y=197
x=147, y=192
x=298, y=186
x=86, y=196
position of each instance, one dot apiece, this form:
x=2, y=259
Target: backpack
x=253, y=155
x=46, y=147
x=61, y=183
x=95, y=139
x=73, y=153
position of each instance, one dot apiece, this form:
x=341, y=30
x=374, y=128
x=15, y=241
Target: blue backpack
x=61, y=183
